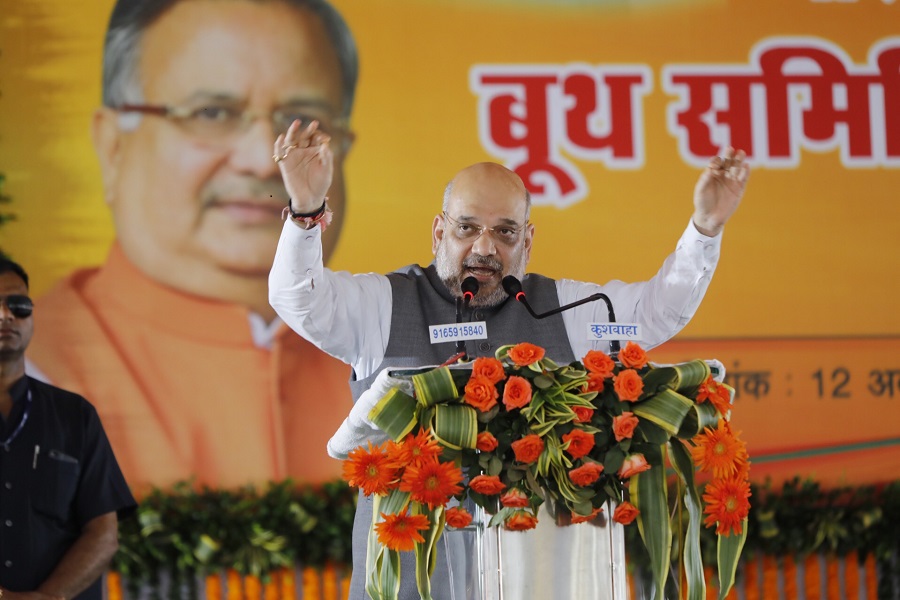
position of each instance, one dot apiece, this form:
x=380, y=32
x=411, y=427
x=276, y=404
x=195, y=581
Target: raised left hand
x=719, y=191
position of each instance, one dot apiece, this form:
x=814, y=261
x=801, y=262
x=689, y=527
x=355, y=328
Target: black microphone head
x=512, y=285
x=469, y=287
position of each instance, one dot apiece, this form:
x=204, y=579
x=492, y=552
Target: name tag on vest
x=453, y=332
x=613, y=331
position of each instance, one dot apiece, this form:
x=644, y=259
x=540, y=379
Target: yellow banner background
x=812, y=253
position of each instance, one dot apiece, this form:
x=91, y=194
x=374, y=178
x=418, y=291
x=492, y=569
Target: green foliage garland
x=185, y=531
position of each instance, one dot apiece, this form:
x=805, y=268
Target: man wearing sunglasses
x=61, y=490
x=375, y=322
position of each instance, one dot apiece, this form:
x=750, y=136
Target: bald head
x=485, y=184
x=483, y=231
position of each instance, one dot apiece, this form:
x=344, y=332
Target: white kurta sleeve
x=662, y=306
x=348, y=316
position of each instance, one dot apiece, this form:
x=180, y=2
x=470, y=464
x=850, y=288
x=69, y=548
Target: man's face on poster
x=197, y=205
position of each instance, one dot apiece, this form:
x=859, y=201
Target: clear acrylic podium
x=583, y=562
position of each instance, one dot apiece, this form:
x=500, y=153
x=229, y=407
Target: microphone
x=469, y=288
x=513, y=287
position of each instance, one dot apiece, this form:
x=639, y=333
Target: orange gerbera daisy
x=401, y=532
x=727, y=504
x=370, y=470
x=717, y=393
x=720, y=451
x=415, y=448
x=432, y=482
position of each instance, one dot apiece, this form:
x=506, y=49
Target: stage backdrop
x=608, y=109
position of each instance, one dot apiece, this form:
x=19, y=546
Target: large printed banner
x=148, y=248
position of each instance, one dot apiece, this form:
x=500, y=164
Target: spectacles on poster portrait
x=220, y=123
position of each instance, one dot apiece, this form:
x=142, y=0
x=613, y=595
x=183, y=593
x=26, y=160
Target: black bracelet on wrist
x=312, y=215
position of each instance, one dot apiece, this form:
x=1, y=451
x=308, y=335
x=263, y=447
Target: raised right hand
x=306, y=163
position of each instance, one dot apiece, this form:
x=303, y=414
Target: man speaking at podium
x=373, y=321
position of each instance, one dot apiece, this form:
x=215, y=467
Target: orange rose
x=481, y=393
x=633, y=356
x=623, y=425
x=489, y=368
x=594, y=383
x=625, y=513
x=598, y=363
x=487, y=485
x=580, y=442
x=514, y=498
x=521, y=521
x=583, y=414
x=525, y=354
x=458, y=517
x=528, y=449
x=486, y=442
x=516, y=392
x=585, y=518
x=634, y=464
x=586, y=474
x=628, y=385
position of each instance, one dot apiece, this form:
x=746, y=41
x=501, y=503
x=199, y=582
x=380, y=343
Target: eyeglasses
x=505, y=234
x=221, y=122
x=20, y=306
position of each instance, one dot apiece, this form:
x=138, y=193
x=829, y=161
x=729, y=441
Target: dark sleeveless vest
x=420, y=299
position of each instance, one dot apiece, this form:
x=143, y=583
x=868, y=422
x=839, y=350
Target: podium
x=585, y=561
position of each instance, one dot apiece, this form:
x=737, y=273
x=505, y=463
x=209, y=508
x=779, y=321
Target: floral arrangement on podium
x=527, y=430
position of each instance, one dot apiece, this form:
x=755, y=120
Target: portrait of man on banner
x=172, y=337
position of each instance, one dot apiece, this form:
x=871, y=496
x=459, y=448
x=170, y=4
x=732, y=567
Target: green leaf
x=434, y=387
x=456, y=425
x=650, y=495
x=395, y=414
x=697, y=419
x=426, y=552
x=543, y=382
x=728, y=552
x=666, y=409
x=693, y=561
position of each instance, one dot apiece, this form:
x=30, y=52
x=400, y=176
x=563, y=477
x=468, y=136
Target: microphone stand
x=462, y=353
x=513, y=287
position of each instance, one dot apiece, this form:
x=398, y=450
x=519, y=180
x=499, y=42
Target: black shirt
x=57, y=474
